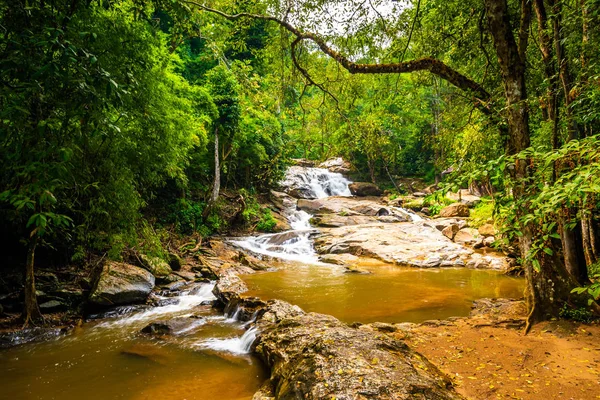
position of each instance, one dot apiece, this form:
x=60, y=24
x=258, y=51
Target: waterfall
x=295, y=244
x=235, y=345
x=315, y=183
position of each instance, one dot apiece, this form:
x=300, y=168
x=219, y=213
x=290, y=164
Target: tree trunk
x=551, y=282
x=217, y=182
x=31, y=311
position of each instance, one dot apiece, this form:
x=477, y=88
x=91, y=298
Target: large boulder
x=157, y=266
x=362, y=189
x=315, y=356
x=455, y=210
x=403, y=243
x=121, y=283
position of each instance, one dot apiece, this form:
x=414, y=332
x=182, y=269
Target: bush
x=483, y=213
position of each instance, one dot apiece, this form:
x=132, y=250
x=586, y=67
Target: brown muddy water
x=109, y=359
x=207, y=359
x=388, y=294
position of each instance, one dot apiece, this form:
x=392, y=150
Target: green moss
x=483, y=213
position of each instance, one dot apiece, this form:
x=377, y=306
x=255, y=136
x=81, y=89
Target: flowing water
x=207, y=356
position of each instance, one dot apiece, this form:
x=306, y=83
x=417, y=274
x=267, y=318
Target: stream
x=208, y=355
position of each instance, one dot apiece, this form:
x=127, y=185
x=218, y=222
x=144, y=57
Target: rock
x=487, y=230
x=419, y=194
x=37, y=334
x=121, y=283
x=403, y=243
x=52, y=306
x=353, y=269
x=467, y=236
x=314, y=356
x=335, y=220
x=119, y=311
x=338, y=165
x=465, y=197
x=426, y=210
x=228, y=287
x=450, y=231
x=384, y=327
x=303, y=162
x=441, y=223
x=175, y=262
x=149, y=352
x=173, y=326
x=455, y=210
x=478, y=243
x=158, y=267
x=489, y=241
x=362, y=189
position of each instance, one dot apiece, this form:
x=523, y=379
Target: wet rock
x=175, y=262
x=119, y=311
x=487, y=230
x=450, y=231
x=467, y=236
x=338, y=165
x=121, y=283
x=173, y=326
x=149, y=352
x=353, y=269
x=426, y=211
x=314, y=356
x=478, y=243
x=158, y=267
x=363, y=189
x=37, y=334
x=52, y=306
x=455, y=210
x=229, y=287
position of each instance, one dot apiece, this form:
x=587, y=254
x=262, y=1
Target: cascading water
x=315, y=183
x=295, y=244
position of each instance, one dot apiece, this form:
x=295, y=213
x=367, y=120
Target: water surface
x=388, y=294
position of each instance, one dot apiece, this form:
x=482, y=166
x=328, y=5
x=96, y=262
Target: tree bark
x=550, y=284
x=214, y=196
x=31, y=311
x=217, y=182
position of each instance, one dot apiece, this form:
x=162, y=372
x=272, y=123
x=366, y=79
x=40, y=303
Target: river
x=208, y=355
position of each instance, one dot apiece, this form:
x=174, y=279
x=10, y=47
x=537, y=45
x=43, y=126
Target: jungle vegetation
x=120, y=117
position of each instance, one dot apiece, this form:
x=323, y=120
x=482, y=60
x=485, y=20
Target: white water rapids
x=295, y=244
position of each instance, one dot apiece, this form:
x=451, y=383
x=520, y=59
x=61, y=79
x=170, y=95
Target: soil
x=492, y=360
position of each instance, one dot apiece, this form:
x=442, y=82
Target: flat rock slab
x=315, y=356
x=121, y=283
x=404, y=243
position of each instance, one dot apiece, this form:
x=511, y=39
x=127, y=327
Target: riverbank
x=488, y=357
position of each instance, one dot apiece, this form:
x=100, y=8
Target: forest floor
x=556, y=360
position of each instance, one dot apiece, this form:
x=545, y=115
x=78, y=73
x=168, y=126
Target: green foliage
x=266, y=222
x=577, y=314
x=482, y=213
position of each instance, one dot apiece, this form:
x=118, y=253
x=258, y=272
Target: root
x=530, y=320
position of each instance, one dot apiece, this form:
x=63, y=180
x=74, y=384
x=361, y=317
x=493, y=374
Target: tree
x=549, y=281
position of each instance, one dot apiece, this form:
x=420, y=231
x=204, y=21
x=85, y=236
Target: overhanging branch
x=481, y=96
